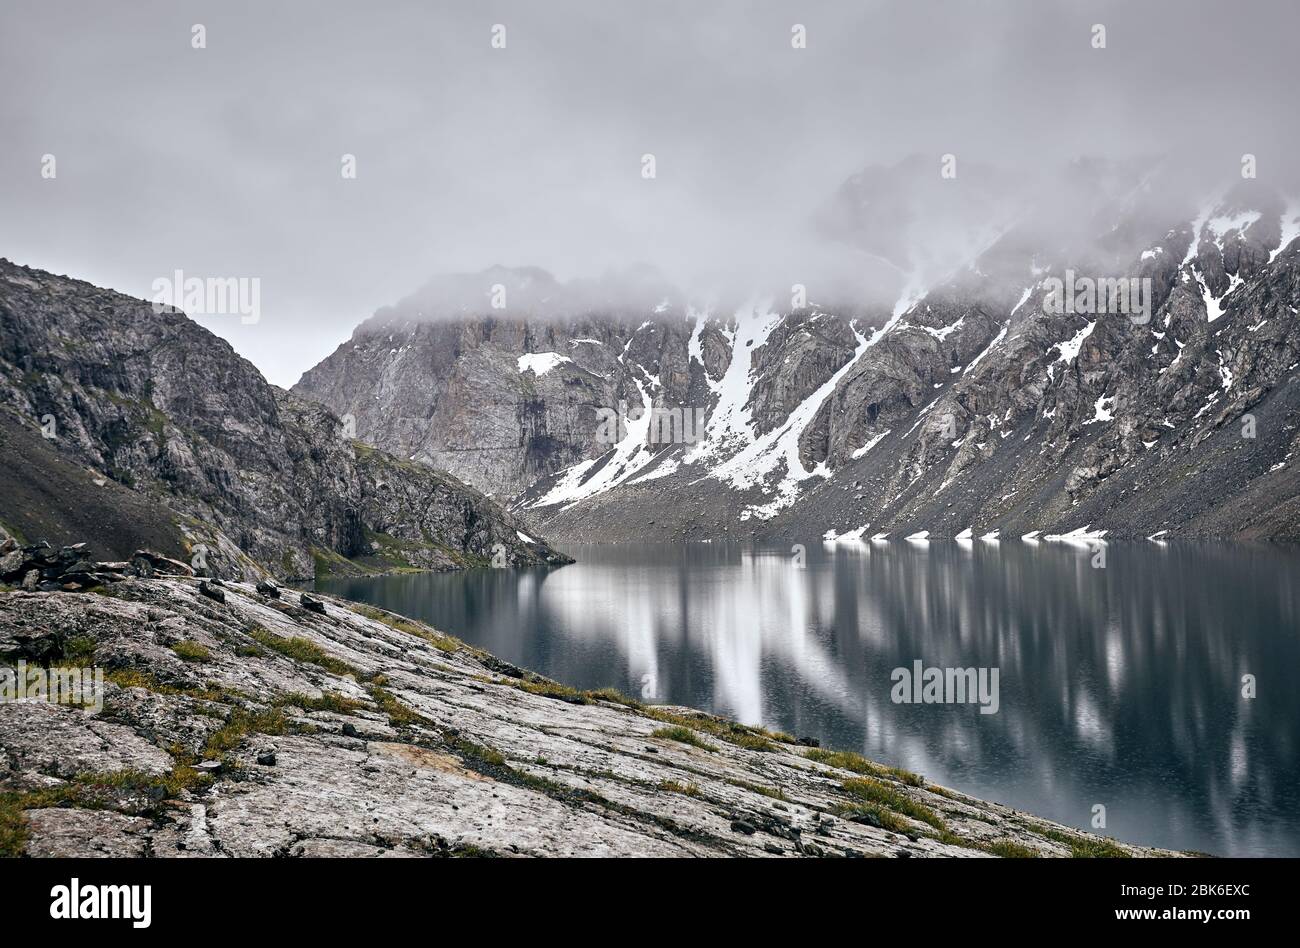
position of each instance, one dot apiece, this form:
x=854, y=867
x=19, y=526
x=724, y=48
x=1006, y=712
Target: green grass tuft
x=876, y=814
x=549, y=689
x=1088, y=847
x=79, y=650
x=869, y=790
x=399, y=715
x=192, y=651
x=614, y=696
x=683, y=735
x=773, y=793
x=685, y=789
x=1009, y=850
x=328, y=701
x=239, y=725
x=750, y=738
x=303, y=650
x=856, y=763
x=127, y=791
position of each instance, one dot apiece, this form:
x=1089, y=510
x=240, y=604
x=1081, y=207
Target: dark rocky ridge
x=154, y=417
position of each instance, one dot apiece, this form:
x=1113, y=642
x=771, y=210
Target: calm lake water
x=1120, y=686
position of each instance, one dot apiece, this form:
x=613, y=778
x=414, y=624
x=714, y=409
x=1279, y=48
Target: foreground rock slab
x=251, y=726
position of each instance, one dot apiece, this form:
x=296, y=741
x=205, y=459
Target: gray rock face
x=359, y=733
x=156, y=407
x=797, y=358
x=502, y=401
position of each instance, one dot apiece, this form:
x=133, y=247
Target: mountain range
x=979, y=403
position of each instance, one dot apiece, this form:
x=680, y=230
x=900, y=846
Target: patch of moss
x=15, y=533
x=549, y=689
x=683, y=735
x=614, y=696
x=751, y=738
x=1087, y=847
x=134, y=678
x=399, y=715
x=191, y=651
x=469, y=851
x=79, y=650
x=13, y=828
x=856, y=763
x=127, y=791
x=875, y=814
x=869, y=790
x=328, y=701
x=754, y=742
x=303, y=650
x=1009, y=850
x=242, y=723
x=773, y=793
x=488, y=756
x=685, y=789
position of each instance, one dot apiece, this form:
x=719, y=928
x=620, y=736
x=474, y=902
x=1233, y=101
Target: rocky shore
x=254, y=720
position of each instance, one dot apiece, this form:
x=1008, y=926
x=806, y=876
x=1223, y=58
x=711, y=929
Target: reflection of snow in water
x=742, y=613
x=1088, y=723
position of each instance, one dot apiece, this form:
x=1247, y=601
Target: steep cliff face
x=985, y=402
x=148, y=411
x=503, y=399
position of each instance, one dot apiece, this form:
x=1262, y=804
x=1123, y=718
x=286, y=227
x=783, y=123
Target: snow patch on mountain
x=755, y=465
x=871, y=443
x=629, y=457
x=1083, y=535
x=694, y=346
x=539, y=363
x=1069, y=350
x=1223, y=224
x=1290, y=229
x=731, y=422
x=830, y=536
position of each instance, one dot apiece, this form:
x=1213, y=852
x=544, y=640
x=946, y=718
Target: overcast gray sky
x=225, y=161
